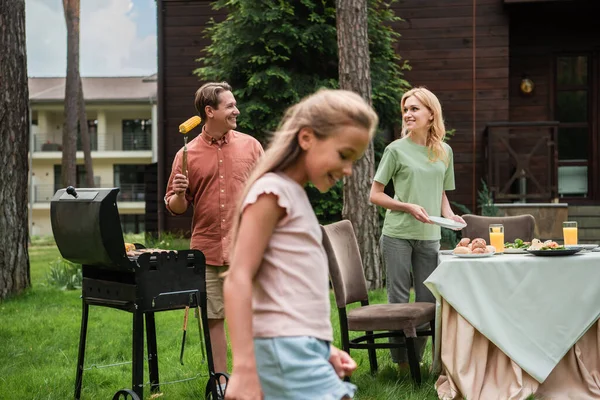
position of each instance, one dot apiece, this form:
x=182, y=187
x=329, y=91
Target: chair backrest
x=519, y=226
x=345, y=263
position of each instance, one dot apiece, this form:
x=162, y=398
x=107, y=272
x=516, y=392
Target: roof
x=122, y=88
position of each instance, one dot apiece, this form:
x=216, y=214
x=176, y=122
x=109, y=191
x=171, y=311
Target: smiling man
x=219, y=161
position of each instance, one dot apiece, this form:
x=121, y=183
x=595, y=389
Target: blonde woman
x=276, y=290
x=421, y=168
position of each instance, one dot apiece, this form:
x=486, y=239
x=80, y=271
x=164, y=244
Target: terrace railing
x=133, y=192
x=522, y=160
x=110, y=142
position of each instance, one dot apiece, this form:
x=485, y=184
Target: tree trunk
x=14, y=145
x=355, y=75
x=69, y=154
x=85, y=139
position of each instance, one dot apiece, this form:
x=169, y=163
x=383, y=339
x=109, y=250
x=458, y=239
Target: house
x=122, y=122
x=519, y=82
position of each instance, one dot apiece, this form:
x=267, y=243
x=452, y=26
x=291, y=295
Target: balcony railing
x=134, y=192
x=110, y=142
x=522, y=160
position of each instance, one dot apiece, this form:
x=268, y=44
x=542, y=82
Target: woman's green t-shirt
x=416, y=180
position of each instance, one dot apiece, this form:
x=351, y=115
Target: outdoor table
x=515, y=325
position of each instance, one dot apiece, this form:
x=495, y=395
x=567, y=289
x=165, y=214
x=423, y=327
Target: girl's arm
x=447, y=210
x=378, y=197
x=257, y=224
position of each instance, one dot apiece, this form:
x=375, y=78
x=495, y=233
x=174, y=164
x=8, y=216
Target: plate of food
x=516, y=247
x=476, y=248
x=551, y=248
x=474, y=255
x=559, y=251
x=447, y=223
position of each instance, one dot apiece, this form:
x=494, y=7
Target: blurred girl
x=421, y=167
x=276, y=291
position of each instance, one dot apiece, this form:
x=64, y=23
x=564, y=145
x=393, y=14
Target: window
x=137, y=134
x=572, y=112
x=130, y=178
x=92, y=131
x=133, y=223
x=79, y=176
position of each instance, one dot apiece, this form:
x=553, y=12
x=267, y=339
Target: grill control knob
x=71, y=190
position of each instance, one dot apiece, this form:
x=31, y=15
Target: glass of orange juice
x=497, y=237
x=570, y=233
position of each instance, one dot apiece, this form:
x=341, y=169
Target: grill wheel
x=212, y=381
x=125, y=394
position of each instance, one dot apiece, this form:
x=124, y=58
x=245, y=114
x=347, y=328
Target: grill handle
x=71, y=190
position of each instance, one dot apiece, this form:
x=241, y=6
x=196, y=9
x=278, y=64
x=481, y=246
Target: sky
x=117, y=38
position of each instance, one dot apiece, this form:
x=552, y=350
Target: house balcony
x=131, y=195
x=112, y=145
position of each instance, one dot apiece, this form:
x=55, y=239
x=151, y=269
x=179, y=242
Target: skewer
x=184, y=128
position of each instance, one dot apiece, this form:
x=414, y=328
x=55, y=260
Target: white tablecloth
x=533, y=308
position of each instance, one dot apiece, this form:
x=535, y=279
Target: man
x=219, y=160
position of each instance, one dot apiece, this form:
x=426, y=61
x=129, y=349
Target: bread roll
x=478, y=243
x=463, y=242
x=462, y=250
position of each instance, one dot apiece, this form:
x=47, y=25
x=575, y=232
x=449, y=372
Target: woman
x=421, y=168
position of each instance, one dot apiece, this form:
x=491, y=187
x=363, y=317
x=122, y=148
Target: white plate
x=588, y=246
x=477, y=255
x=447, y=223
x=514, y=251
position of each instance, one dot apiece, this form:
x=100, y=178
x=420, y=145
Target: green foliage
x=485, y=200
x=274, y=52
x=450, y=238
x=449, y=135
x=327, y=206
x=64, y=275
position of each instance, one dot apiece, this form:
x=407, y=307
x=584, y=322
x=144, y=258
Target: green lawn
x=39, y=333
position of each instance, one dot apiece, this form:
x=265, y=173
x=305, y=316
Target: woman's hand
x=341, y=361
x=457, y=219
x=419, y=213
x=243, y=386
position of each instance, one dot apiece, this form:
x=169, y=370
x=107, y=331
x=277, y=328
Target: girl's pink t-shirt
x=291, y=288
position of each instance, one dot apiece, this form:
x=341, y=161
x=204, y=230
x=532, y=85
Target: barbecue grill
x=87, y=230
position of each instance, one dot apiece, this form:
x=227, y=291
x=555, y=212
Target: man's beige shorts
x=214, y=291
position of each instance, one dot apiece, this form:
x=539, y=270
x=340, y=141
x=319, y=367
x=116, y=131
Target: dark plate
x=566, y=252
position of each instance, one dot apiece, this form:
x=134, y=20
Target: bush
x=274, y=53
x=64, y=275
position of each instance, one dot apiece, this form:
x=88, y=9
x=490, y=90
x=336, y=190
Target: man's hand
x=180, y=184
x=341, y=361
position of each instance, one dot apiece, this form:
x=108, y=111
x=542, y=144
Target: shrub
x=64, y=275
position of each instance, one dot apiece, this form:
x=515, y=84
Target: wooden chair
x=389, y=320
x=520, y=226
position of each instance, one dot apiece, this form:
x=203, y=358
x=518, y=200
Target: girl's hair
x=436, y=130
x=323, y=112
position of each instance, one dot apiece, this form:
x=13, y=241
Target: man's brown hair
x=208, y=95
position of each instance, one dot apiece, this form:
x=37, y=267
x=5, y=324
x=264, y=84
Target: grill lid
x=87, y=228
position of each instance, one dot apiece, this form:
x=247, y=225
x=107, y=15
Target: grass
x=39, y=336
